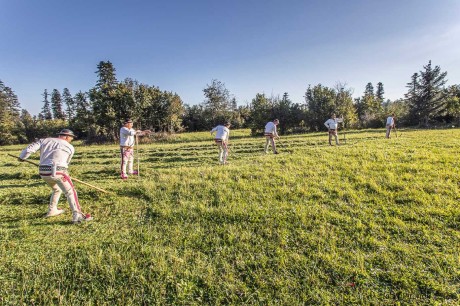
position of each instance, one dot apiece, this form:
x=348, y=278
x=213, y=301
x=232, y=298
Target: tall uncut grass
x=372, y=222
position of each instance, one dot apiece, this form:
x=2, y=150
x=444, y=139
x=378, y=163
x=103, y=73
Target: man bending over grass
x=270, y=135
x=223, y=132
x=390, y=124
x=55, y=156
x=127, y=141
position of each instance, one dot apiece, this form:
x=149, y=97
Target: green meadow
x=374, y=221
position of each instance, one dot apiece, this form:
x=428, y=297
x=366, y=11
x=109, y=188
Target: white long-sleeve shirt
x=127, y=137
x=270, y=128
x=390, y=121
x=331, y=124
x=53, y=151
x=222, y=132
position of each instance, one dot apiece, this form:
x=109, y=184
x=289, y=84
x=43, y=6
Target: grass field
x=373, y=222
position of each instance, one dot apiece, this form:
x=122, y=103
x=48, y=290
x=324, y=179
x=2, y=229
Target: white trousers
x=270, y=140
x=127, y=160
x=223, y=151
x=333, y=133
x=388, y=131
x=61, y=183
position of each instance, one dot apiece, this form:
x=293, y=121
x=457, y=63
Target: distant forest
x=96, y=115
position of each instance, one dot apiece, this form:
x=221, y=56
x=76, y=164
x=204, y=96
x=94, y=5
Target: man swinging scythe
x=222, y=135
x=55, y=156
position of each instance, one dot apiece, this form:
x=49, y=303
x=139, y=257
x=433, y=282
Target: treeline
x=96, y=115
x=427, y=102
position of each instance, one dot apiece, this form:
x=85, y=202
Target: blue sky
x=251, y=46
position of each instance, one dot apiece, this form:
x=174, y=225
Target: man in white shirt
x=390, y=124
x=222, y=135
x=332, y=125
x=270, y=135
x=55, y=156
x=127, y=141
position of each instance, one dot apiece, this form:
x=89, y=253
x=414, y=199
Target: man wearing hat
x=127, y=141
x=221, y=140
x=55, y=156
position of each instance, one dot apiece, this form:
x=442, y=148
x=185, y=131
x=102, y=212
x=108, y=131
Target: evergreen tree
x=104, y=101
x=10, y=125
x=369, y=91
x=427, y=95
x=107, y=79
x=46, y=109
x=369, y=99
x=370, y=108
x=379, y=93
x=234, y=104
x=11, y=99
x=69, y=103
x=432, y=93
x=56, y=105
x=412, y=98
x=360, y=110
x=83, y=121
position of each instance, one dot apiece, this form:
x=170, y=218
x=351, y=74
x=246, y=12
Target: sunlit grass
x=374, y=221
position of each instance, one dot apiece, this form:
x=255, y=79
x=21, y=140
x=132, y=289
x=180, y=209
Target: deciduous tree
x=453, y=104
x=320, y=103
x=217, y=103
x=260, y=113
x=344, y=105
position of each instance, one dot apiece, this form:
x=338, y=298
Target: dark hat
x=128, y=121
x=67, y=132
